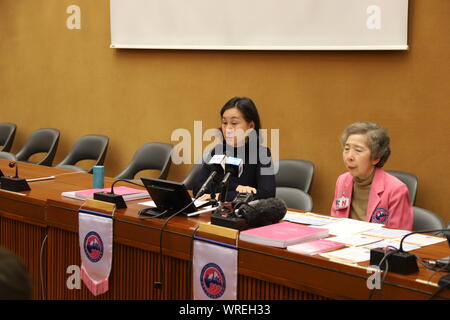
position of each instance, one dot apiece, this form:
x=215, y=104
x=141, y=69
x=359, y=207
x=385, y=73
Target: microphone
x=254, y=214
x=216, y=164
x=111, y=197
x=262, y=212
x=14, y=183
x=233, y=168
x=400, y=261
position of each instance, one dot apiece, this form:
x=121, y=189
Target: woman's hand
x=245, y=189
x=207, y=197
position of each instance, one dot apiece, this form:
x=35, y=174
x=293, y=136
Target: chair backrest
x=7, y=134
x=88, y=147
x=41, y=140
x=295, y=198
x=426, y=220
x=409, y=179
x=7, y=156
x=295, y=173
x=190, y=179
x=153, y=155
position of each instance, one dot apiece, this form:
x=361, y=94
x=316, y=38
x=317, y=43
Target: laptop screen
x=169, y=195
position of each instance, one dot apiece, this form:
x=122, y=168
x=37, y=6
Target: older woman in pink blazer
x=366, y=192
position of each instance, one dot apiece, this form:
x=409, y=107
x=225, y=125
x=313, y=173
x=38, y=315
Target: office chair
x=295, y=198
x=7, y=134
x=153, y=155
x=42, y=140
x=294, y=173
x=410, y=180
x=88, y=147
x=426, y=220
x=7, y=156
x=189, y=181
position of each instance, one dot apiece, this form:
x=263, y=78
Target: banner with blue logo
x=214, y=270
x=96, y=244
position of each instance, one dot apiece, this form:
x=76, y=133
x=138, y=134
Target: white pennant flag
x=214, y=271
x=96, y=243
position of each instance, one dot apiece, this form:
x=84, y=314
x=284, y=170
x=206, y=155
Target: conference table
x=41, y=227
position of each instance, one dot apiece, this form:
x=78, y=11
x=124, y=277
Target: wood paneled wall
x=51, y=76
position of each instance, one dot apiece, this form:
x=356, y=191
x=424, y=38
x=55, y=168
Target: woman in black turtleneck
x=240, y=130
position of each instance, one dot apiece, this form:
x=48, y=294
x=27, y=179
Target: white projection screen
x=260, y=24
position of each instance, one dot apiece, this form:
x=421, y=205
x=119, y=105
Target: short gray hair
x=377, y=139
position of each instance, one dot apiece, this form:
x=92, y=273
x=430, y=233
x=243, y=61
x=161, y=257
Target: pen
x=41, y=179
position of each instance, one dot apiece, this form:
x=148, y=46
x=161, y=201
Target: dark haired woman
x=366, y=192
x=240, y=131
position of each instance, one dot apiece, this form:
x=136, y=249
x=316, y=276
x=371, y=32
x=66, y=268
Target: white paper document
x=309, y=218
x=355, y=239
x=392, y=243
x=386, y=233
x=350, y=226
x=352, y=254
x=422, y=240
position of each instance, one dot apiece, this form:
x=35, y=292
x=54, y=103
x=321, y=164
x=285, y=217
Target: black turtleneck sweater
x=257, y=171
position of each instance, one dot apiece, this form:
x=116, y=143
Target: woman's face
x=357, y=156
x=234, y=127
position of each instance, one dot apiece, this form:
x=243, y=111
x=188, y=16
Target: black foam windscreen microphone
x=263, y=212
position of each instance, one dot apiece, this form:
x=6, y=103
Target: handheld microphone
x=14, y=183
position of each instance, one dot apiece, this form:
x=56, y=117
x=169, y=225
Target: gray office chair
x=42, y=140
x=189, y=181
x=88, y=147
x=151, y=156
x=409, y=179
x=295, y=198
x=426, y=220
x=294, y=173
x=7, y=156
x=7, y=134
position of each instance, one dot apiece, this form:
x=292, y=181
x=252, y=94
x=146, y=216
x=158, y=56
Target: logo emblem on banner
x=93, y=246
x=213, y=281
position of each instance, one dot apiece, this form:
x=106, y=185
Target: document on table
x=151, y=203
x=355, y=239
x=422, y=240
x=197, y=204
x=350, y=226
x=352, y=254
x=386, y=233
x=309, y=218
x=392, y=243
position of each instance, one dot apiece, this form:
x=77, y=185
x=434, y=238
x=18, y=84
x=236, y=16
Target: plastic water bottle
x=98, y=177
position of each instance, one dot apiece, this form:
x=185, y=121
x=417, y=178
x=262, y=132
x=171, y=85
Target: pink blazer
x=389, y=202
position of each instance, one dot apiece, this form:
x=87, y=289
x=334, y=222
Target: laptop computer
x=169, y=197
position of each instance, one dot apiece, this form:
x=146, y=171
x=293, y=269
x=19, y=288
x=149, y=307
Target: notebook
x=283, y=234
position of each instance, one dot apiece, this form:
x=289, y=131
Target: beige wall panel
x=70, y=79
